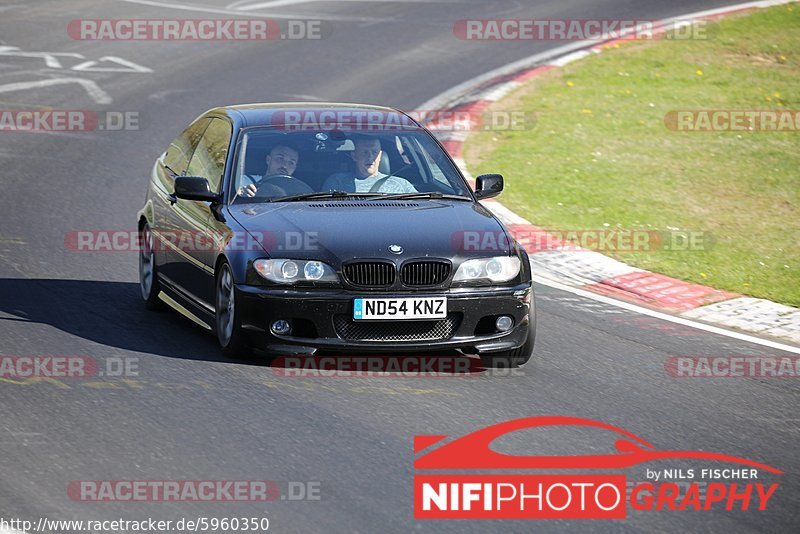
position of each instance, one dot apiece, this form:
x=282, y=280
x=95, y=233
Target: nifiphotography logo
x=510, y=495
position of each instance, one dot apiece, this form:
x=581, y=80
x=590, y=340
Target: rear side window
x=209, y=157
x=180, y=150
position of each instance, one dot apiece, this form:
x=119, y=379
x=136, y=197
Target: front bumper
x=321, y=320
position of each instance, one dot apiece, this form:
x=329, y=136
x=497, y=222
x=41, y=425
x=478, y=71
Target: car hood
x=338, y=231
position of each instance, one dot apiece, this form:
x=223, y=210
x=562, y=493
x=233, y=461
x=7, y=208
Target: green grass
x=600, y=155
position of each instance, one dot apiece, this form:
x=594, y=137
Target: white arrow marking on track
x=50, y=58
x=97, y=94
x=128, y=66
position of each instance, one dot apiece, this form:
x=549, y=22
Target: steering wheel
x=284, y=184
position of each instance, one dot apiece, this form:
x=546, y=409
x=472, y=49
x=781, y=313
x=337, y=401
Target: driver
x=367, y=156
x=282, y=160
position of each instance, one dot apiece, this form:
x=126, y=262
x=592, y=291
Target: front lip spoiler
x=472, y=345
x=306, y=350
x=305, y=346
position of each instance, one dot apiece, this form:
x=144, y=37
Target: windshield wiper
x=423, y=194
x=323, y=194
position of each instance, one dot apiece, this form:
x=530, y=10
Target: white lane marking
x=94, y=91
x=127, y=66
x=666, y=317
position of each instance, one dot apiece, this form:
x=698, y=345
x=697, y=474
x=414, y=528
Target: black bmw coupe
x=297, y=228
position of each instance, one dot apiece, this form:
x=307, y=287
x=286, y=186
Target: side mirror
x=194, y=188
x=488, y=185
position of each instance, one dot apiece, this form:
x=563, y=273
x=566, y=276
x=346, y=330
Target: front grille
x=439, y=329
x=370, y=273
x=424, y=273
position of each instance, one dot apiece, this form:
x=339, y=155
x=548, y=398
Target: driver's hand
x=248, y=190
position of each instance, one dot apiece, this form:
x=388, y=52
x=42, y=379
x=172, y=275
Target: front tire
x=148, y=275
x=227, y=313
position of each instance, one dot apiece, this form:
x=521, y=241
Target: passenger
x=367, y=157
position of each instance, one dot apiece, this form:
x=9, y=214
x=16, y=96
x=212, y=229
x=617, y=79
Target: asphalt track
x=191, y=415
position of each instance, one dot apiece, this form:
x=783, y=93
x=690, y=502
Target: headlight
x=499, y=269
x=314, y=270
x=291, y=271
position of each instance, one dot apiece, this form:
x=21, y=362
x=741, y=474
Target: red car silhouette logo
x=472, y=451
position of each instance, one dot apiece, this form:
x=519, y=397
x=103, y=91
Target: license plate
x=399, y=309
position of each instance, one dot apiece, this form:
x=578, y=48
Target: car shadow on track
x=113, y=314
x=108, y=313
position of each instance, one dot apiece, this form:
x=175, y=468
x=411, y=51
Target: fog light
x=504, y=323
x=281, y=327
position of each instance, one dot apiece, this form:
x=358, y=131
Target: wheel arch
x=240, y=263
x=146, y=215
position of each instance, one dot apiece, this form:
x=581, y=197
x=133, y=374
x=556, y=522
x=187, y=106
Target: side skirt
x=178, y=300
x=182, y=310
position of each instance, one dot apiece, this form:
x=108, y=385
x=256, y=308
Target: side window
x=209, y=157
x=180, y=150
x=439, y=166
x=436, y=172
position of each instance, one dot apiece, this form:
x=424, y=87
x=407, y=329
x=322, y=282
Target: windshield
x=273, y=164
